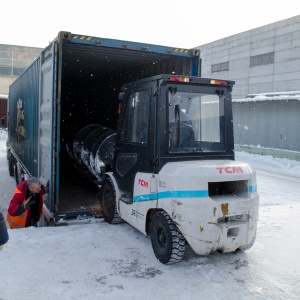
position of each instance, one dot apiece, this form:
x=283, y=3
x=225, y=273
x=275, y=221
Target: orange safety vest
x=16, y=222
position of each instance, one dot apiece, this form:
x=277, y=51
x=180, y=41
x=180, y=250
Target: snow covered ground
x=102, y=261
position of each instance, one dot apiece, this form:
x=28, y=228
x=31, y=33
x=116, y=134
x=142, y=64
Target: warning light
x=180, y=79
x=219, y=82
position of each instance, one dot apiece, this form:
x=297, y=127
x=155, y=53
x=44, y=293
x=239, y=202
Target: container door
x=47, y=128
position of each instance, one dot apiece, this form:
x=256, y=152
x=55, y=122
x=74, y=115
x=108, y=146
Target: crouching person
x=3, y=231
x=25, y=208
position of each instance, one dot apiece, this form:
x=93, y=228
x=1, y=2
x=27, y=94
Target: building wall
x=261, y=60
x=264, y=59
x=13, y=61
x=5, y=82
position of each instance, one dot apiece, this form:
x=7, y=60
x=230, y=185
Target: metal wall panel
x=269, y=124
x=24, y=117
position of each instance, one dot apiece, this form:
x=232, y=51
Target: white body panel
x=143, y=201
x=209, y=220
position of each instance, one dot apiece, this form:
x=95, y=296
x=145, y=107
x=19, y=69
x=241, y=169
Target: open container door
x=47, y=122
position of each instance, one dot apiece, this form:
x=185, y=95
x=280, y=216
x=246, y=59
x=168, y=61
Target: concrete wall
x=5, y=82
x=261, y=60
x=13, y=61
x=265, y=59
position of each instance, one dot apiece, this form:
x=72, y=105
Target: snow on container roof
x=2, y=96
x=283, y=96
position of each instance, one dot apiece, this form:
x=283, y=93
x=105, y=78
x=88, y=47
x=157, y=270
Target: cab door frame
x=138, y=119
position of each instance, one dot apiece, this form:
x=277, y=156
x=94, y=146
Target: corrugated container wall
x=23, y=129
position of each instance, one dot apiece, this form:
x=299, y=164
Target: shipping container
x=73, y=83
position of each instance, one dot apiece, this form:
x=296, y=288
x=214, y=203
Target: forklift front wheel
x=108, y=202
x=167, y=241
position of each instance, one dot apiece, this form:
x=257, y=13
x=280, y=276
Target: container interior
x=91, y=79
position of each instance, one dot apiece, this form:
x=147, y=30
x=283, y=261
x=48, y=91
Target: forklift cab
x=164, y=119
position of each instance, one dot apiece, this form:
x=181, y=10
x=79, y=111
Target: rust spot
x=214, y=211
x=201, y=228
x=212, y=223
x=224, y=208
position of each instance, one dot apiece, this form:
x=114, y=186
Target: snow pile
x=283, y=96
x=270, y=163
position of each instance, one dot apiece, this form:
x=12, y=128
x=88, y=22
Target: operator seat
x=187, y=135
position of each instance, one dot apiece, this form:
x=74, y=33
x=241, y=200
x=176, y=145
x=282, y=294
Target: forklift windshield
x=196, y=122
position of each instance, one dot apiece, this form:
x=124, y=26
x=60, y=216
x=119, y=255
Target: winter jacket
x=3, y=230
x=17, y=216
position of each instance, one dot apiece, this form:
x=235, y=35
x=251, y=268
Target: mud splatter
x=224, y=208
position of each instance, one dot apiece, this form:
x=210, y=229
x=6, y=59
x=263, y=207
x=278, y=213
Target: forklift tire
x=167, y=241
x=108, y=202
x=10, y=165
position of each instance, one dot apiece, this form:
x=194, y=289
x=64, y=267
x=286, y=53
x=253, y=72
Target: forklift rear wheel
x=167, y=241
x=108, y=202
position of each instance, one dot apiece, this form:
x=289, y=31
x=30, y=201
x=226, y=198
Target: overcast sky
x=185, y=24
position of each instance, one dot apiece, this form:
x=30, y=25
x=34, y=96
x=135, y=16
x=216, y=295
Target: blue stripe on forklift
x=180, y=194
x=147, y=197
x=252, y=188
x=183, y=194
x=171, y=194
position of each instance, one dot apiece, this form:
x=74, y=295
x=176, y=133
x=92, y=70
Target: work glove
x=29, y=201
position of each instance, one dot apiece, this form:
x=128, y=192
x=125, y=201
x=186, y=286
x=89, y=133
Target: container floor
x=78, y=195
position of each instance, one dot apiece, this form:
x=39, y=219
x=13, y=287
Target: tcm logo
x=143, y=183
x=230, y=170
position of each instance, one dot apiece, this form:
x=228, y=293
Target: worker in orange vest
x=25, y=208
